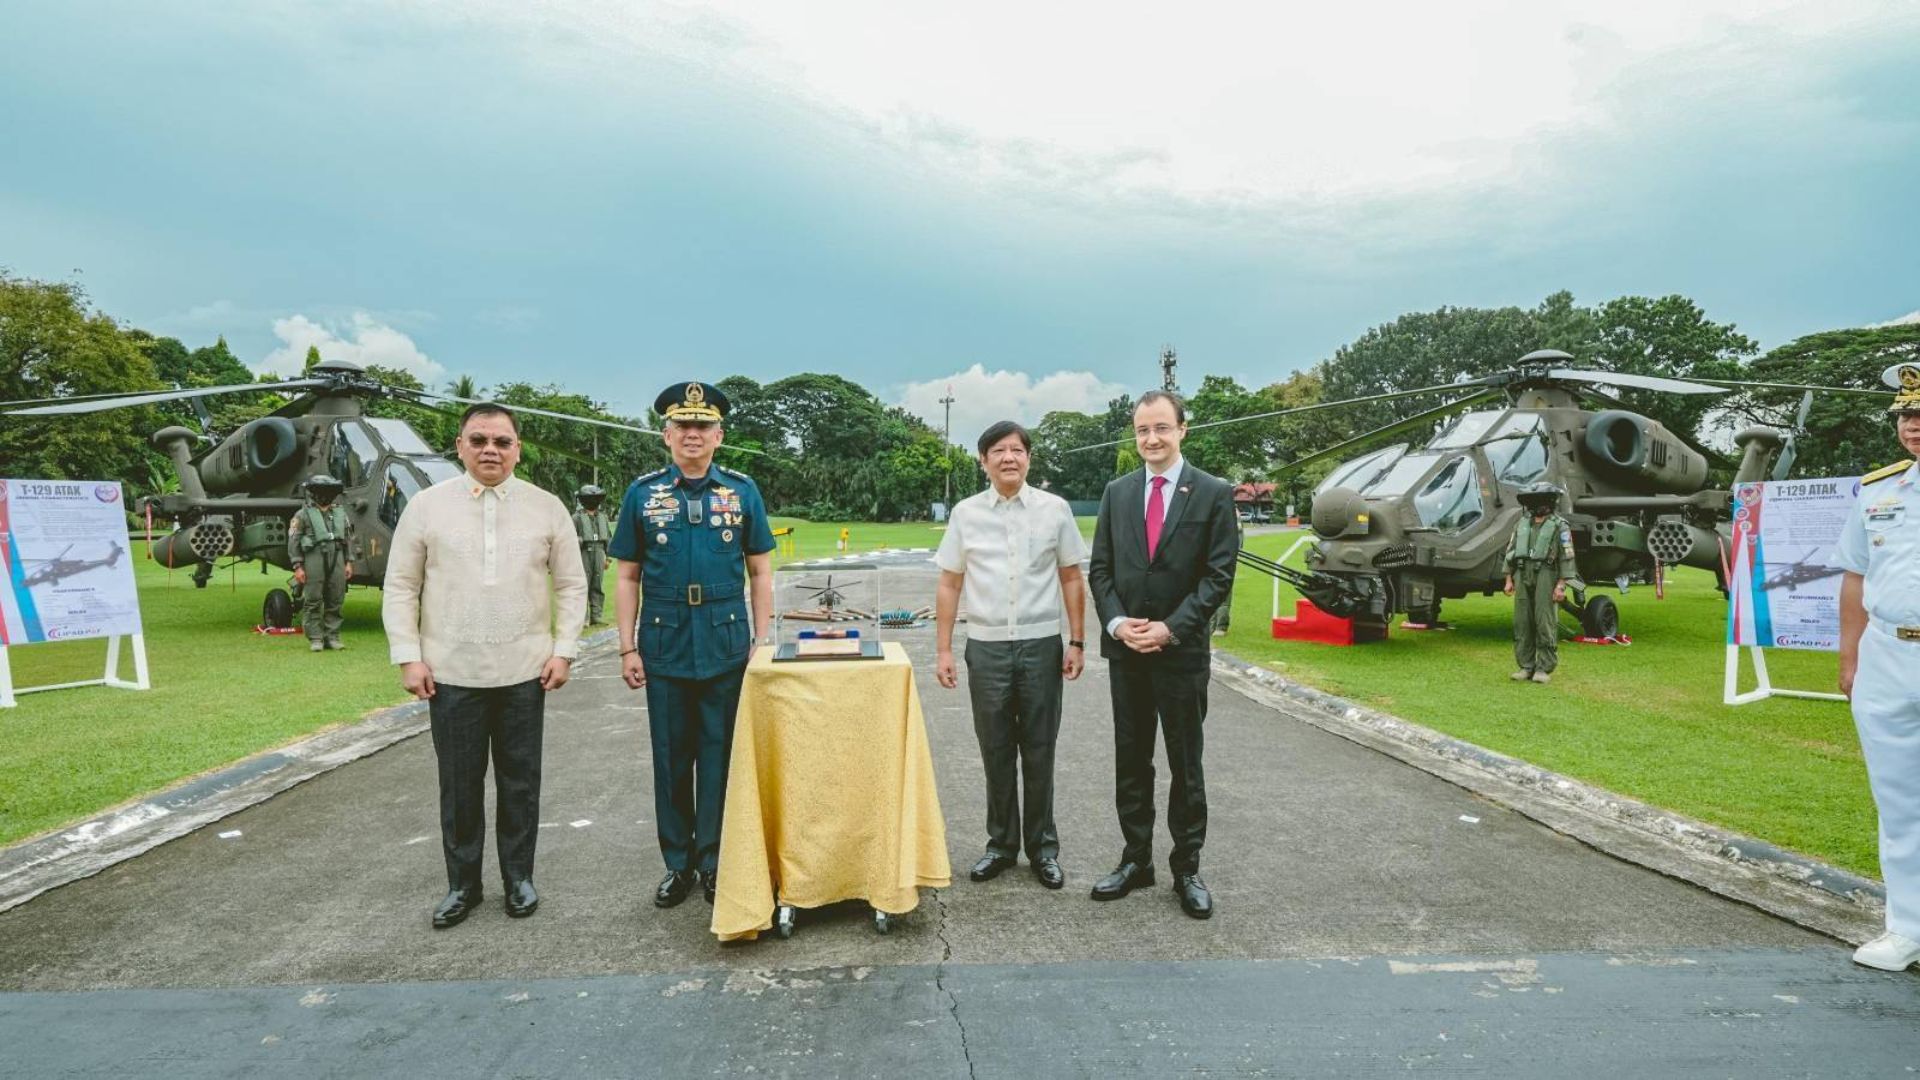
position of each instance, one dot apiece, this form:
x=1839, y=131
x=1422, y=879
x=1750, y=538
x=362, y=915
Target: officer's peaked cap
x=692, y=401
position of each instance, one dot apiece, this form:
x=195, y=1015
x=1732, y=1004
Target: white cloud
x=1234, y=102
x=364, y=340
x=982, y=398
x=1909, y=319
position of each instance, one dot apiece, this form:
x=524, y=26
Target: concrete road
x=1371, y=917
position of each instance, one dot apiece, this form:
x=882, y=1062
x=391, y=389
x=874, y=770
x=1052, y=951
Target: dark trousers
x=692, y=726
x=469, y=725
x=1015, y=687
x=1149, y=697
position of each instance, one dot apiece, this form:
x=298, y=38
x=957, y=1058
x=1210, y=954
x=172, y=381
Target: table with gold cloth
x=830, y=793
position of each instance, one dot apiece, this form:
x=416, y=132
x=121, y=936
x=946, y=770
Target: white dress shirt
x=1011, y=551
x=469, y=577
x=1166, y=500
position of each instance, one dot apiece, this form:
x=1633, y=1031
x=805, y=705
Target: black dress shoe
x=1049, y=872
x=709, y=880
x=1195, y=900
x=1125, y=878
x=521, y=899
x=673, y=888
x=456, y=907
x=990, y=866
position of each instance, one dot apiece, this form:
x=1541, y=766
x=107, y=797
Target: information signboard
x=1783, y=574
x=66, y=574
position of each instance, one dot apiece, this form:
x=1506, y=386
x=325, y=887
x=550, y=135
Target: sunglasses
x=500, y=442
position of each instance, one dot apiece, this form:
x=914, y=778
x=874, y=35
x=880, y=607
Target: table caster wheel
x=882, y=922
x=783, y=922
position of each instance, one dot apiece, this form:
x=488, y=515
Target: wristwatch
x=1081, y=645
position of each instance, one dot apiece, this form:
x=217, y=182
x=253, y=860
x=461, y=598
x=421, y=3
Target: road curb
x=32, y=867
x=1800, y=889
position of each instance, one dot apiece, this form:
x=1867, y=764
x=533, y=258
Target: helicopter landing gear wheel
x=783, y=921
x=882, y=922
x=276, y=611
x=1600, y=618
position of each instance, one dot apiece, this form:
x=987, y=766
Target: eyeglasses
x=1162, y=430
x=500, y=442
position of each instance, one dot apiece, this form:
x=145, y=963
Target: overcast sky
x=1023, y=200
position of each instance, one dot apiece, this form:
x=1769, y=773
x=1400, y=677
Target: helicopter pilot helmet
x=1540, y=494
x=591, y=495
x=322, y=488
x=1905, y=381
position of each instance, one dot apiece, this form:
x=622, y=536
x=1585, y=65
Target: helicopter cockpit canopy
x=1361, y=471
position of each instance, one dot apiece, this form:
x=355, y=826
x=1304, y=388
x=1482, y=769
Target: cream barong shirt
x=1011, y=551
x=468, y=581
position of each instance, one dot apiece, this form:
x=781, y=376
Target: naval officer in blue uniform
x=1879, y=652
x=689, y=538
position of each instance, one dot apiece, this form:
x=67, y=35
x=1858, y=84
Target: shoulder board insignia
x=1882, y=473
x=735, y=473
x=654, y=475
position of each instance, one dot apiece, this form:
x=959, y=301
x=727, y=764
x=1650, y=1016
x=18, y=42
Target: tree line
x=829, y=449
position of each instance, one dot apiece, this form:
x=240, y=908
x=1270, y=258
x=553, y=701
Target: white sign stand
x=112, y=678
x=1731, y=694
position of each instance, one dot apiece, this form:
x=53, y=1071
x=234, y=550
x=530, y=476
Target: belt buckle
x=1907, y=633
x=694, y=597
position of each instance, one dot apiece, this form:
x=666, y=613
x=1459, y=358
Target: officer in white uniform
x=1879, y=651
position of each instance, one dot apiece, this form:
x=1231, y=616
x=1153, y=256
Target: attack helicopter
x=59, y=568
x=237, y=496
x=1405, y=527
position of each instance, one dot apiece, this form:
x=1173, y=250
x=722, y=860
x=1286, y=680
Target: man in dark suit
x=1162, y=563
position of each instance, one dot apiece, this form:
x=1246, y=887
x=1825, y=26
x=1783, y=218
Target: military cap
x=695, y=401
x=1905, y=381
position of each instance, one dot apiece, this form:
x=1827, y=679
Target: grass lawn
x=1644, y=720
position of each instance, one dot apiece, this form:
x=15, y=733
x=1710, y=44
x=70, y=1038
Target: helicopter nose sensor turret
x=1340, y=512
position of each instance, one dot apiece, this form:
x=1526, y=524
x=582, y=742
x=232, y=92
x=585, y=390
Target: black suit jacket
x=1189, y=576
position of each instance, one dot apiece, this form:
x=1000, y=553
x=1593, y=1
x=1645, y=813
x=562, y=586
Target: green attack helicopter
x=1403, y=528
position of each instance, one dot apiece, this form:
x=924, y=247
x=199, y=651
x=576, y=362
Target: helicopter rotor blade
x=1411, y=423
x=1800, y=417
x=530, y=410
x=1745, y=385
x=124, y=401
x=544, y=447
x=1637, y=382
x=1391, y=396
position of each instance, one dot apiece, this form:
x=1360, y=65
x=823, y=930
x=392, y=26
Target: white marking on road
x=518, y=997
x=423, y=838
x=1642, y=960
x=231, y=834
x=1791, y=999
x=549, y=824
x=582, y=823
x=270, y=1040
x=684, y=986
x=1513, y=974
x=1469, y=819
x=315, y=998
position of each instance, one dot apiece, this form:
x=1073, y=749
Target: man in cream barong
x=468, y=620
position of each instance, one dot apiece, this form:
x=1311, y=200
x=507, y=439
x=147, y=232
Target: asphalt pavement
x=1371, y=917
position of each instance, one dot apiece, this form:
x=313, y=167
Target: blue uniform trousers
x=692, y=725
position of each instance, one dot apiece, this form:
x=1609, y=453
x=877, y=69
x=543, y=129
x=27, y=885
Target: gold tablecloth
x=830, y=794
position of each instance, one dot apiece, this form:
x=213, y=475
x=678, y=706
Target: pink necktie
x=1156, y=515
